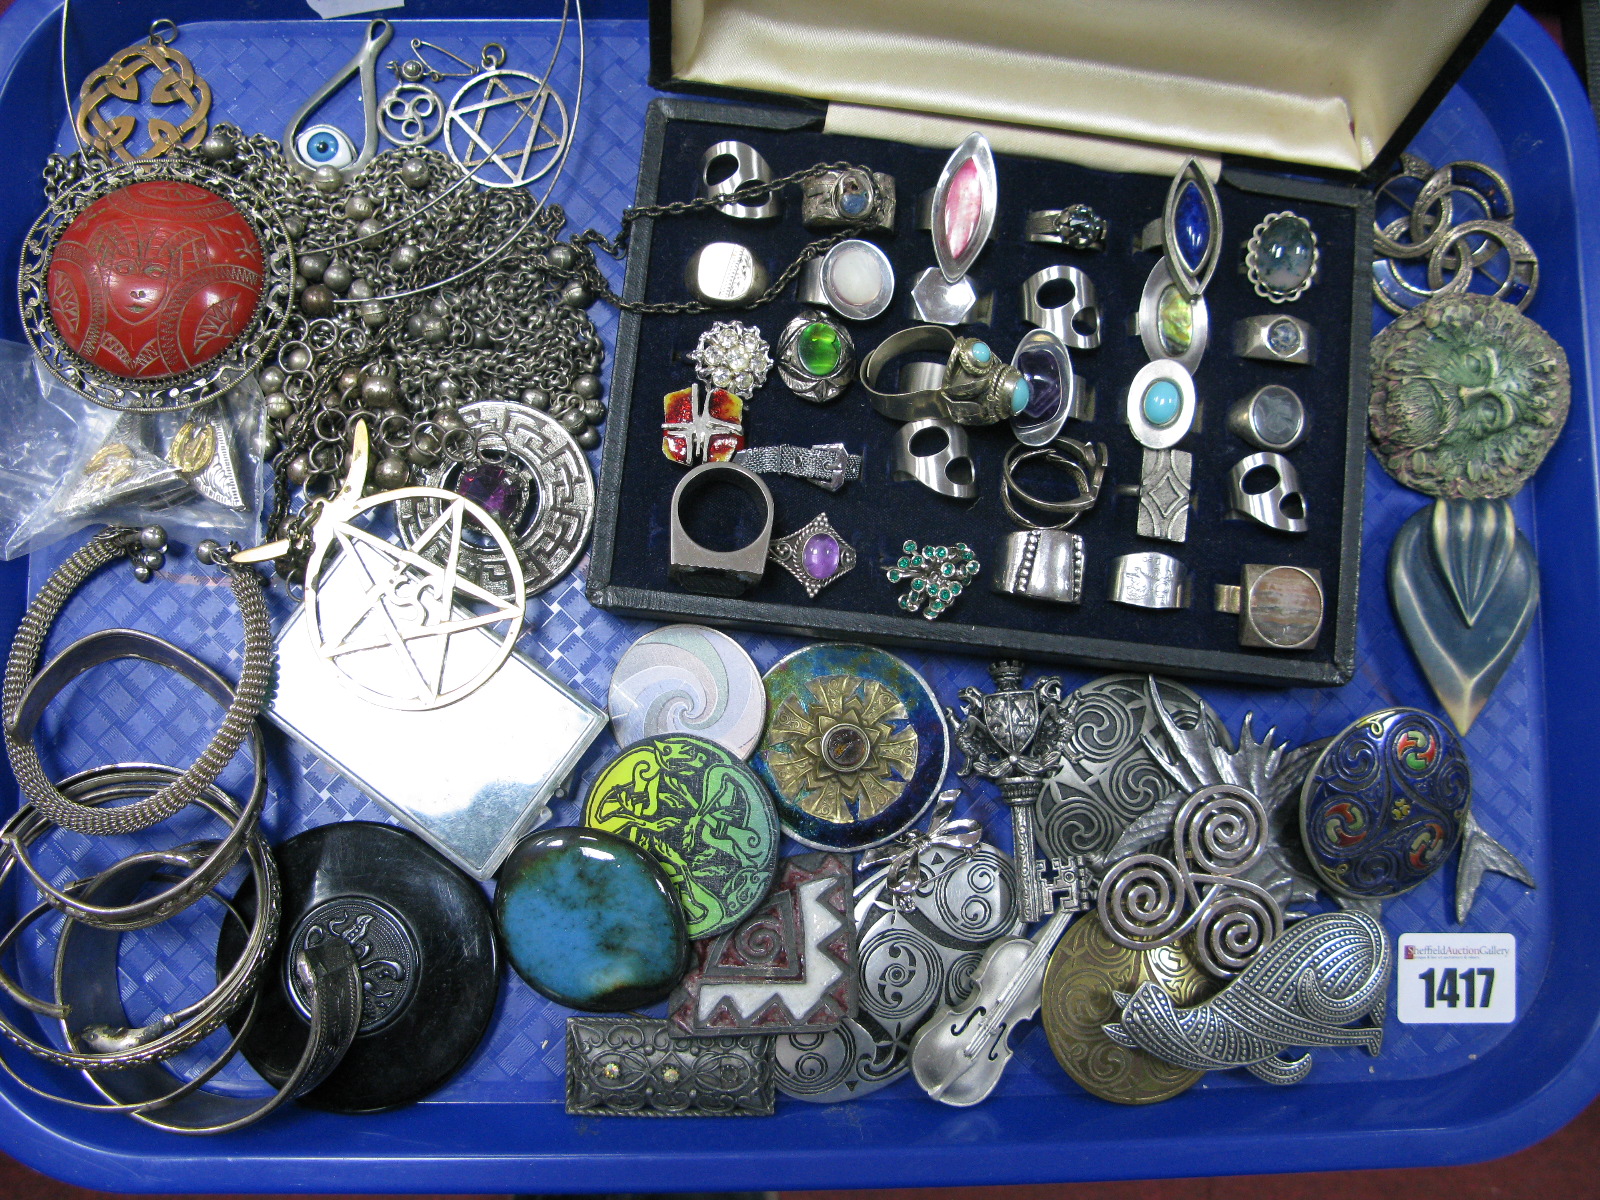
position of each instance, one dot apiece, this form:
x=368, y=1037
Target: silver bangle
x=1276, y=338
x=28, y=823
x=1076, y=321
x=1041, y=564
x=1148, y=579
x=719, y=572
x=247, y=701
x=113, y=1048
x=748, y=167
x=1281, y=505
x=829, y=466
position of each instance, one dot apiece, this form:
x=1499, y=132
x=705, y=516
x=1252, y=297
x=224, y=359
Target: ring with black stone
x=719, y=572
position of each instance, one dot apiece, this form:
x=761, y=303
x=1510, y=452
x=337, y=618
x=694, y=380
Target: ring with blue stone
x=1076, y=226
x=1281, y=257
x=853, y=198
x=1277, y=339
x=975, y=386
x=1189, y=229
x=1161, y=404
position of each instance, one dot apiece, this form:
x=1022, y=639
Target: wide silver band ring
x=1280, y=505
x=946, y=468
x=852, y=198
x=1149, y=579
x=719, y=572
x=1041, y=564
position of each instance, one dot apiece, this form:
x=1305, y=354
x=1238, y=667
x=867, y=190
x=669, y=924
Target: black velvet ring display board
x=875, y=514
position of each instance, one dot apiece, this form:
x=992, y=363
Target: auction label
x=1457, y=978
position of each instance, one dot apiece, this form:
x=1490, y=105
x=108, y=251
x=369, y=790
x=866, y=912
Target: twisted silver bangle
x=249, y=697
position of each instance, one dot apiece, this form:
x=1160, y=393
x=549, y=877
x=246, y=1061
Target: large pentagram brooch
x=398, y=621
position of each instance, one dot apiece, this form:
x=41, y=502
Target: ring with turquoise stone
x=974, y=387
x=1161, y=404
x=1281, y=257
x=816, y=357
x=1189, y=229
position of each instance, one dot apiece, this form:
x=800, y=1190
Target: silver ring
x=816, y=554
x=829, y=466
x=1161, y=403
x=1149, y=579
x=719, y=572
x=1084, y=462
x=1189, y=230
x=854, y=278
x=1280, y=505
x=1076, y=320
x=1279, y=607
x=977, y=387
x=816, y=357
x=936, y=301
x=1077, y=226
x=1041, y=564
x=849, y=199
x=1275, y=338
x=1169, y=325
x=725, y=274
x=947, y=469
x=1289, y=245
x=1165, y=493
x=1054, y=391
x=1269, y=418
x=748, y=167
x=732, y=356
x=964, y=201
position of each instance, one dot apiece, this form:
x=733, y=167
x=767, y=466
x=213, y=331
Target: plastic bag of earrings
x=67, y=463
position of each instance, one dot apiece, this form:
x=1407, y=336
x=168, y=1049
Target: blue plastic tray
x=1438, y=1094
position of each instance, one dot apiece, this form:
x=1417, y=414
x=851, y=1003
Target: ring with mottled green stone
x=816, y=357
x=1281, y=257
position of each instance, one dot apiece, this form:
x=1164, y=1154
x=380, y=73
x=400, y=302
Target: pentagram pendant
x=505, y=128
x=389, y=630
